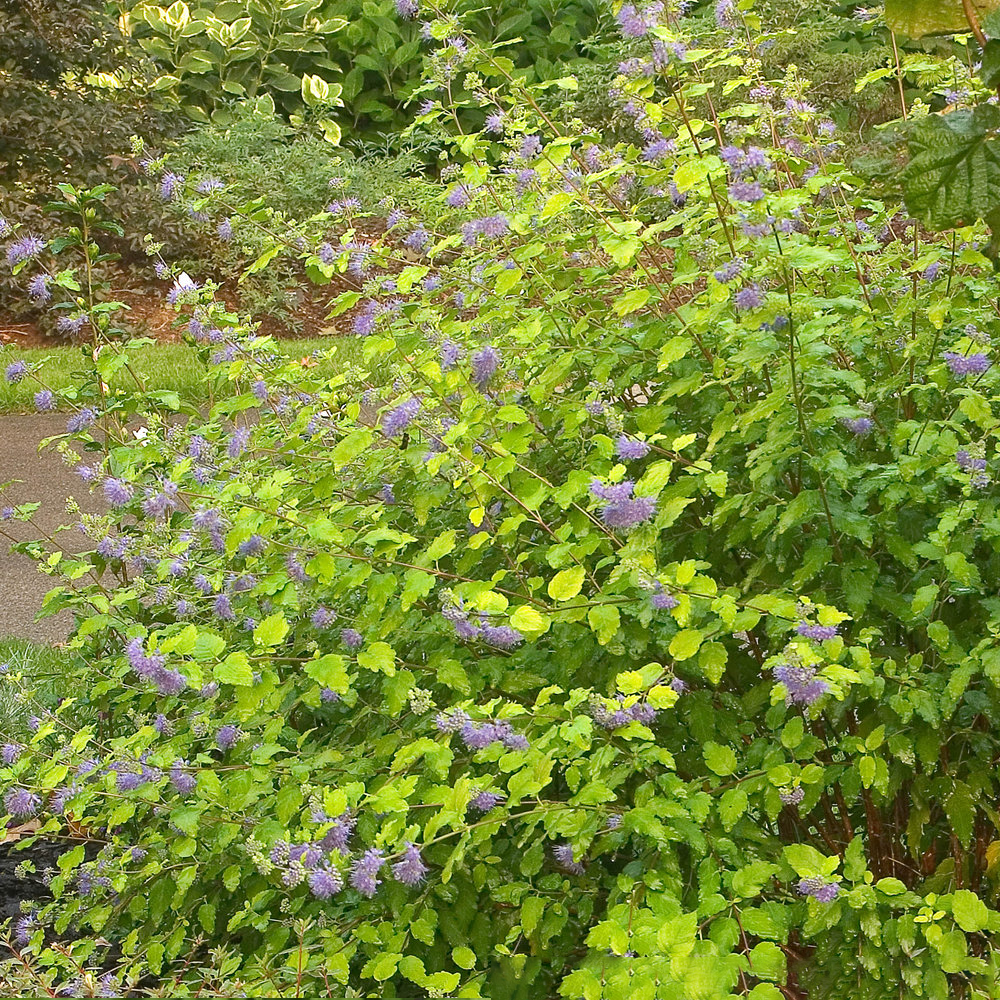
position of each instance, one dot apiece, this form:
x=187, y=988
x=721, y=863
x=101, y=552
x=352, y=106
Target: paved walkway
x=43, y=478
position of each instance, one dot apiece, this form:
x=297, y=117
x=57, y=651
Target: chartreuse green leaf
x=271, y=630
x=566, y=584
x=721, y=760
x=969, y=911
x=234, y=669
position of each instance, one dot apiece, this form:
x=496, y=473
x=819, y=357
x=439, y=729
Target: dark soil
x=30, y=887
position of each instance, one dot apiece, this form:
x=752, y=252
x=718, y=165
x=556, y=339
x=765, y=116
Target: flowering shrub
x=624, y=627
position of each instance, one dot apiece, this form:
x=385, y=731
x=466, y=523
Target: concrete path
x=43, y=478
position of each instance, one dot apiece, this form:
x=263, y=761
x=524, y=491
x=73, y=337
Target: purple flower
x=411, y=870
x=81, y=421
x=417, y=240
x=228, y=736
x=323, y=617
x=967, y=364
x=450, y=354
x=295, y=568
x=163, y=725
x=252, y=546
x=9, y=753
x=635, y=23
x=407, y=9
x=223, y=608
x=339, y=834
x=328, y=695
x=615, y=493
x=820, y=890
x=627, y=514
x=726, y=14
x=116, y=492
x=128, y=781
x=485, y=801
x=802, y=686
x=750, y=297
x=184, y=782
x=364, y=872
x=563, y=854
x=967, y=463
x=16, y=371
x=452, y=721
x=325, y=882
x=225, y=230
x=457, y=197
x=24, y=928
x=858, y=425
x=20, y=802
x=502, y=636
x=351, y=638
x=531, y=146
x=38, y=289
x=494, y=123
x=479, y=736
x=492, y=227
x=662, y=600
x=792, y=796
x=44, y=400
x=484, y=365
x=628, y=448
x=160, y=503
x=26, y=248
x=817, y=632
x=730, y=271
x=71, y=325
x=238, y=442
x=170, y=185
x=657, y=149
x=397, y=420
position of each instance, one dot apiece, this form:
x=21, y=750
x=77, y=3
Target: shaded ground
x=149, y=315
x=39, y=477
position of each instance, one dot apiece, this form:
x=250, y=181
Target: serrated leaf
x=953, y=177
x=234, y=669
x=271, y=630
x=969, y=911
x=329, y=671
x=565, y=585
x=529, y=622
x=720, y=760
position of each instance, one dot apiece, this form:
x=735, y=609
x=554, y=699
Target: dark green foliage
x=58, y=114
x=953, y=177
x=366, y=55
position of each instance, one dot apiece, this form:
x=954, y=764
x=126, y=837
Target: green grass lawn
x=30, y=667
x=164, y=366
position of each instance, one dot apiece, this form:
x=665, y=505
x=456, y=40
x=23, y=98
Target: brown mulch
x=149, y=315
